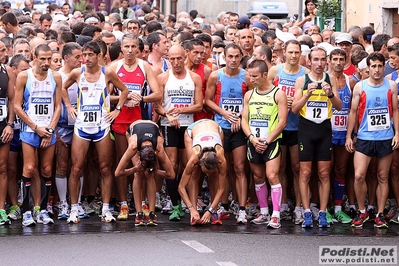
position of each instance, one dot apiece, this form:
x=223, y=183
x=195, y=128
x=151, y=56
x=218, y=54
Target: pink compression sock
x=261, y=193
x=277, y=191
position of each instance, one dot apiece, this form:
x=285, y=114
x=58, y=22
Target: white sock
x=337, y=208
x=61, y=184
x=264, y=210
x=105, y=207
x=276, y=214
x=81, y=188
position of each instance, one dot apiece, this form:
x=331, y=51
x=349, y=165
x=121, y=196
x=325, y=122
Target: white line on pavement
x=226, y=263
x=197, y=246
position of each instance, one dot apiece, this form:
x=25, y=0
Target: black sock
x=26, y=193
x=242, y=208
x=172, y=186
x=46, y=189
x=90, y=199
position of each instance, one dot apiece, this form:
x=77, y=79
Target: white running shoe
x=242, y=217
x=82, y=213
x=261, y=219
x=107, y=217
x=298, y=216
x=274, y=222
x=158, y=205
x=44, y=218
x=63, y=211
x=27, y=219
x=73, y=217
x=315, y=213
x=168, y=206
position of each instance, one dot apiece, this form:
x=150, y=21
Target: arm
x=349, y=145
x=299, y=98
x=114, y=79
x=156, y=94
x=124, y=162
x=244, y=115
x=8, y=132
x=72, y=78
x=281, y=101
x=394, y=89
x=271, y=75
x=335, y=100
x=57, y=100
x=163, y=159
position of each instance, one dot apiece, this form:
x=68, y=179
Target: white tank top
x=93, y=104
x=178, y=93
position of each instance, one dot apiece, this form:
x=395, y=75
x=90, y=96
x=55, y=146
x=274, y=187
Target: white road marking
x=197, y=246
x=226, y=263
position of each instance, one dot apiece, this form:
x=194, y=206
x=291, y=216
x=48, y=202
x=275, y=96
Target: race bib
x=133, y=88
x=339, y=120
x=3, y=109
x=91, y=115
x=378, y=119
x=259, y=128
x=316, y=111
x=232, y=105
x=41, y=111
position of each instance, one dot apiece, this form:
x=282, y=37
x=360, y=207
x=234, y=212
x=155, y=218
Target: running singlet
x=318, y=108
x=375, y=112
x=229, y=95
x=263, y=113
x=339, y=121
x=207, y=139
x=65, y=121
x=350, y=70
x=286, y=82
x=178, y=93
x=134, y=82
x=395, y=77
x=145, y=131
x=203, y=114
x=93, y=104
x=39, y=100
x=3, y=93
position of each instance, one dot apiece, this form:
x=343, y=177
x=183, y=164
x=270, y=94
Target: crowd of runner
x=136, y=112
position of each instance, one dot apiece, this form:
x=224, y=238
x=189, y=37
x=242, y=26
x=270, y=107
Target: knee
x=258, y=179
x=273, y=178
x=359, y=178
x=304, y=175
x=105, y=169
x=46, y=170
x=295, y=168
x=239, y=169
x=29, y=170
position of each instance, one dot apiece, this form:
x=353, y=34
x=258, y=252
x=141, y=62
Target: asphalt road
x=177, y=243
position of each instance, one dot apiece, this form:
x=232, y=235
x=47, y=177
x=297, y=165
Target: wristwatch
x=211, y=210
x=50, y=130
x=11, y=125
x=119, y=108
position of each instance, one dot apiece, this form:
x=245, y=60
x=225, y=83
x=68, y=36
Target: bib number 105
x=41, y=109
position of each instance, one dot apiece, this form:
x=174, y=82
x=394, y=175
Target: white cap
x=284, y=36
x=305, y=50
x=327, y=47
x=362, y=64
x=198, y=20
x=59, y=17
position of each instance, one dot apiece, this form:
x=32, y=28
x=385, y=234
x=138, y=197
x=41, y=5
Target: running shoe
x=194, y=222
x=158, y=205
x=139, y=219
x=124, y=213
x=380, y=222
x=315, y=213
x=274, y=222
x=395, y=219
x=86, y=206
x=372, y=215
x=352, y=213
x=201, y=206
x=82, y=213
x=49, y=209
x=215, y=219
x=261, y=219
x=329, y=217
x=167, y=209
x=73, y=217
x=27, y=219
x=95, y=205
x=4, y=220
x=15, y=213
x=242, y=217
x=175, y=216
x=307, y=220
x=360, y=219
x=234, y=208
x=107, y=217
x=298, y=216
x=223, y=214
x=63, y=213
x=152, y=219
x=145, y=209
x=44, y=218
x=323, y=223
x=341, y=217
x=391, y=213
x=253, y=212
x=181, y=212
x=285, y=214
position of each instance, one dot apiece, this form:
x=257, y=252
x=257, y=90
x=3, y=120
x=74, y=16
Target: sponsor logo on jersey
x=2, y=101
x=258, y=123
x=39, y=100
x=133, y=87
x=377, y=111
x=317, y=104
x=86, y=108
x=287, y=82
x=342, y=112
x=231, y=101
x=181, y=100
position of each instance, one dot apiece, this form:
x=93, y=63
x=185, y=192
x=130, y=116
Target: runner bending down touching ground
x=203, y=141
x=149, y=159
x=264, y=118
